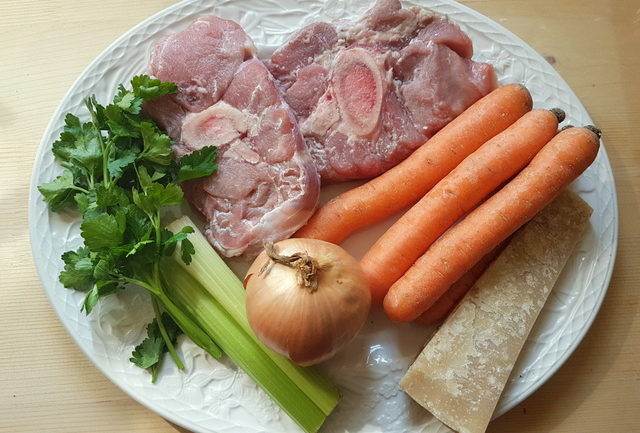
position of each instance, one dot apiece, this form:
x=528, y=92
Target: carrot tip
x=594, y=130
x=559, y=113
x=566, y=127
x=528, y=97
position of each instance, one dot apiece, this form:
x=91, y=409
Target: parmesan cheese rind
x=462, y=371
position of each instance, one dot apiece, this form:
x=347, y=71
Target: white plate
x=213, y=395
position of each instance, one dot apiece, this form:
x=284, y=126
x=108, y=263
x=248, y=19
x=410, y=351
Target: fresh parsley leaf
x=157, y=195
x=72, y=128
x=120, y=123
x=124, y=161
x=128, y=101
x=79, y=147
x=149, y=88
x=144, y=178
x=60, y=192
x=87, y=154
x=138, y=246
x=86, y=202
x=200, y=163
x=142, y=261
x=166, y=195
x=78, y=269
x=157, y=146
x=106, y=267
x=99, y=289
x=138, y=225
x=170, y=241
x=186, y=251
x=157, y=175
x=148, y=354
x=102, y=231
x=97, y=112
x=90, y=300
x=113, y=196
x=169, y=237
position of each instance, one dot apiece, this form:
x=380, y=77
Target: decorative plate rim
x=53, y=124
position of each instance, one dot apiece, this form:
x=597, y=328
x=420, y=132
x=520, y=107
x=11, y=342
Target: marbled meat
x=369, y=92
x=266, y=185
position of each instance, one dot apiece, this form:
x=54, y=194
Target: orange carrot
x=445, y=303
x=460, y=191
x=562, y=160
x=412, y=178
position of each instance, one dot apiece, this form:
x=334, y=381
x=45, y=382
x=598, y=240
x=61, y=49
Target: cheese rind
x=461, y=373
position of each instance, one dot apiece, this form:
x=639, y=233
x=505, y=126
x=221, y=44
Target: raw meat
x=367, y=93
x=266, y=185
x=201, y=60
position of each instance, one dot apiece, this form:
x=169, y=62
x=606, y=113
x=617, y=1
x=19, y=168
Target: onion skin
x=307, y=327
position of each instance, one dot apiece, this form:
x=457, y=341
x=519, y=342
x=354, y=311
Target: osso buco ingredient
x=306, y=299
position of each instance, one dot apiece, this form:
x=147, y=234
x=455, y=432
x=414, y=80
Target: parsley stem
x=79, y=188
x=104, y=148
x=156, y=223
x=186, y=323
x=165, y=336
x=140, y=283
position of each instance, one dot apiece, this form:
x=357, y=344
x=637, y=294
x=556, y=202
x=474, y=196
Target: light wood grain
x=47, y=384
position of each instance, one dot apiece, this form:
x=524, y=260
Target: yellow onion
x=306, y=299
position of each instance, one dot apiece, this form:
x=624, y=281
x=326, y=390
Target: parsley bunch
x=120, y=174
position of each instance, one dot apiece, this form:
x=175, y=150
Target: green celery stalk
x=189, y=295
x=219, y=280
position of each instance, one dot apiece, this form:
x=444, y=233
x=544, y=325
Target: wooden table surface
x=48, y=385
